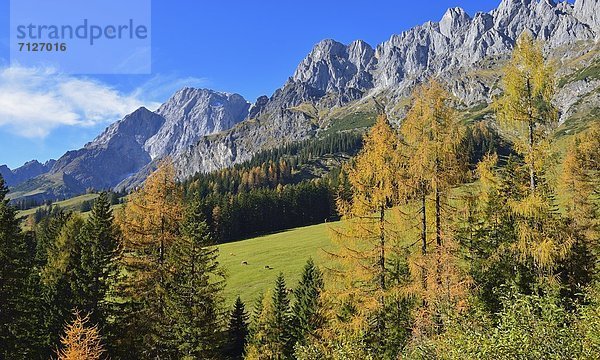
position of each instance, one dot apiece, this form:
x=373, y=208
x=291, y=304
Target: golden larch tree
x=525, y=107
x=581, y=182
x=150, y=223
x=368, y=237
x=432, y=138
x=81, y=341
x=526, y=112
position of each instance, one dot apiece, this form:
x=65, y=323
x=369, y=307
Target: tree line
x=265, y=194
x=273, y=167
x=246, y=214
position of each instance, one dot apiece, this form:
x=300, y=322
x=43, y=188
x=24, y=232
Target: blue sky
x=247, y=47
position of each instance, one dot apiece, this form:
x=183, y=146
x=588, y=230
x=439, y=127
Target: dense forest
x=268, y=192
x=450, y=247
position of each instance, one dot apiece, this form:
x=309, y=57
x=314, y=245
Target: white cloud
x=34, y=101
x=163, y=86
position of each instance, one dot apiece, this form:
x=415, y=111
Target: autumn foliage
x=81, y=341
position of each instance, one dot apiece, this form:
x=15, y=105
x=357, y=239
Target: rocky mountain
x=191, y=114
x=117, y=153
x=28, y=171
x=466, y=52
x=130, y=145
x=202, y=130
x=334, y=67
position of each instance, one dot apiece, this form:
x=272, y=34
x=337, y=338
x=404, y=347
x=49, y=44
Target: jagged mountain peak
x=453, y=20
x=25, y=172
x=139, y=125
x=334, y=67
x=327, y=47
x=187, y=93
x=458, y=41
x=190, y=97
x=192, y=113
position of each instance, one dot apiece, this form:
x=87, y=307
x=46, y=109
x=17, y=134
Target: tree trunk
x=382, y=248
x=423, y=225
x=424, y=241
x=532, y=183
x=531, y=126
x=382, y=285
x=438, y=217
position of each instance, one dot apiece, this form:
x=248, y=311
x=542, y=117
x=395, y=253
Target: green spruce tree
x=98, y=241
x=237, y=331
x=281, y=318
x=307, y=318
x=57, y=281
x=271, y=337
x=15, y=262
x=196, y=290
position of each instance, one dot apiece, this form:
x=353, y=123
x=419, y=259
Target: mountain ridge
x=204, y=130
x=330, y=75
x=130, y=145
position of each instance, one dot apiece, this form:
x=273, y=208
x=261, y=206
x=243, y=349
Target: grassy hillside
x=285, y=252
x=72, y=204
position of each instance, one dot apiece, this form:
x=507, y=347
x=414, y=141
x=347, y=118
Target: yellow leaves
x=525, y=109
x=580, y=181
x=541, y=236
x=533, y=206
x=152, y=215
x=374, y=173
x=582, y=162
x=150, y=223
x=81, y=341
x=526, y=103
x=432, y=135
x=543, y=243
x=440, y=283
x=486, y=171
x=369, y=236
x=392, y=170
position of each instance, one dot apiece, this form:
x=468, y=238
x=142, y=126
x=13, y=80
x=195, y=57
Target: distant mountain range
x=28, y=171
x=202, y=130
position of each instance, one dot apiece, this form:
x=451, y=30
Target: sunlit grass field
x=285, y=252
x=72, y=204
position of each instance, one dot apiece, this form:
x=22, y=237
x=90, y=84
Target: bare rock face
x=458, y=41
x=335, y=67
x=258, y=106
x=114, y=155
x=454, y=21
x=587, y=11
x=191, y=114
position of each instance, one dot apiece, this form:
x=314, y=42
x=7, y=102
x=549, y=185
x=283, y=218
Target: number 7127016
x=39, y=47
